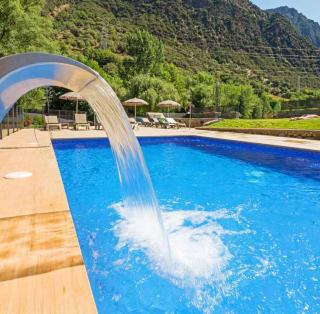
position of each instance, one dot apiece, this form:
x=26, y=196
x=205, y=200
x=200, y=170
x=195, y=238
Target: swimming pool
x=243, y=220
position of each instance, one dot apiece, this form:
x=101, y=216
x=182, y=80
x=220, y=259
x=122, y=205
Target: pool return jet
x=21, y=73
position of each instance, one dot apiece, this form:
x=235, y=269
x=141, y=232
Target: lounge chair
x=164, y=123
x=97, y=124
x=144, y=121
x=157, y=119
x=134, y=123
x=80, y=120
x=175, y=123
x=154, y=122
x=152, y=117
x=51, y=122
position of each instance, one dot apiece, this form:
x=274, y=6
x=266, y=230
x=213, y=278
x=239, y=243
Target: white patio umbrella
x=72, y=96
x=169, y=104
x=135, y=102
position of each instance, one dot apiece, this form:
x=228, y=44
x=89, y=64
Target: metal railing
x=12, y=122
x=63, y=115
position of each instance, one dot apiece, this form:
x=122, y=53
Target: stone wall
x=307, y=134
x=297, y=112
x=195, y=122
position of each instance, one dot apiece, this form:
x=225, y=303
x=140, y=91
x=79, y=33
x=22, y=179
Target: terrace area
x=41, y=264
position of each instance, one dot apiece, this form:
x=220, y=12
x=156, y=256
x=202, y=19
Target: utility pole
x=217, y=95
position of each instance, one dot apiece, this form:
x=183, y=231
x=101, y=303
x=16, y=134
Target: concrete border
x=296, y=133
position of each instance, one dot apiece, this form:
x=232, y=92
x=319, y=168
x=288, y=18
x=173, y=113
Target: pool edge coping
x=278, y=145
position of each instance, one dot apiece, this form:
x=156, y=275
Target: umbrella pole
x=77, y=106
x=190, y=117
x=135, y=112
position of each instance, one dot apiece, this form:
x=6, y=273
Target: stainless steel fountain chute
x=23, y=72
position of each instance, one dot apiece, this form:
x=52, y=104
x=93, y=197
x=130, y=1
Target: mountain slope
x=198, y=34
x=206, y=23
x=306, y=27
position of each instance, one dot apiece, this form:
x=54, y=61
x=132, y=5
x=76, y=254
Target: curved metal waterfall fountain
x=22, y=73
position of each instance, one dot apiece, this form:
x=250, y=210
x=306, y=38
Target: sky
x=310, y=8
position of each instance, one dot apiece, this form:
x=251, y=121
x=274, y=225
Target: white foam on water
x=140, y=230
x=199, y=258
x=198, y=254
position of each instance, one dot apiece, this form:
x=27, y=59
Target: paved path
x=41, y=267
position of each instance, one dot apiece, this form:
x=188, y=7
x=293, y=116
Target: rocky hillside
x=208, y=23
x=200, y=34
x=306, y=27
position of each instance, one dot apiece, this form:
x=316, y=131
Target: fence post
x=8, y=125
x=16, y=117
x=13, y=120
x=22, y=118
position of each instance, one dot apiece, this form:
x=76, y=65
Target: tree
x=266, y=107
x=23, y=28
x=257, y=112
x=230, y=95
x=147, y=53
x=257, y=107
x=276, y=106
x=246, y=101
x=202, y=87
x=202, y=95
x=171, y=73
x=33, y=99
x=152, y=89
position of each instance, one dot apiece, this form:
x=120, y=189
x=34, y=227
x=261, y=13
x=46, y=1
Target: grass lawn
x=313, y=124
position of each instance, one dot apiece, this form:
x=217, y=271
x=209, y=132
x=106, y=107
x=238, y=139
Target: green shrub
x=38, y=121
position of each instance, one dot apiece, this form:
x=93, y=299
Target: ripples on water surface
x=243, y=223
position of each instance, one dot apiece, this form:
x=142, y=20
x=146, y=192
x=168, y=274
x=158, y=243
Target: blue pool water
x=243, y=223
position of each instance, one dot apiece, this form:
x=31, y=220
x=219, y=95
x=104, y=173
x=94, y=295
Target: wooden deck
x=41, y=267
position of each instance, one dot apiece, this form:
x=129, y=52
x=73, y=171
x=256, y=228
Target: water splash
x=198, y=254
x=138, y=192
x=199, y=257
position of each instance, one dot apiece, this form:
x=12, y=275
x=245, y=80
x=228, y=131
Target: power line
x=315, y=53
x=269, y=69
x=273, y=55
x=266, y=68
x=250, y=72
x=272, y=47
x=274, y=76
